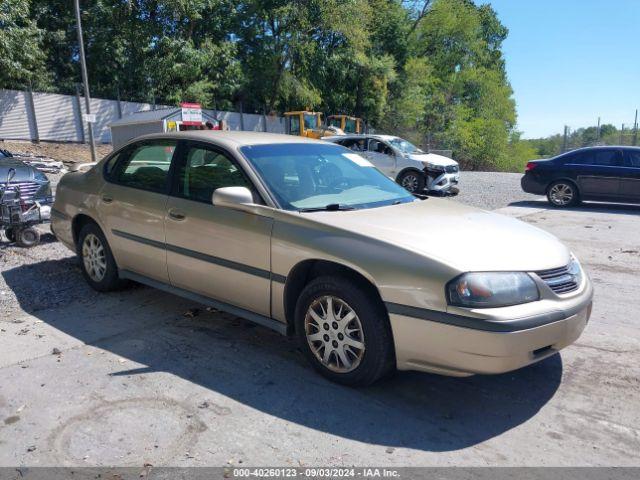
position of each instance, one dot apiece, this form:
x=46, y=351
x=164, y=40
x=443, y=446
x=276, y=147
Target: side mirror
x=10, y=174
x=79, y=167
x=232, y=197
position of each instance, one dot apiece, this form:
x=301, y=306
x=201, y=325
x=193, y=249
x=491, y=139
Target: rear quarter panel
x=77, y=193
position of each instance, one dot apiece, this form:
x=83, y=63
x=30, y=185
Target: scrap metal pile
x=42, y=163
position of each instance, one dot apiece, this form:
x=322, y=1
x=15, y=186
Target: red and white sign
x=191, y=113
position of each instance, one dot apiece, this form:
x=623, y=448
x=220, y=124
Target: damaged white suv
x=400, y=160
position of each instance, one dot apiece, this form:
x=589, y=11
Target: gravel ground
x=491, y=190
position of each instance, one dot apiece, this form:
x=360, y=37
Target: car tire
x=328, y=338
x=562, y=194
x=27, y=237
x=10, y=233
x=98, y=266
x=412, y=181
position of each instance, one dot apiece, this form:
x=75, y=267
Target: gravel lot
x=491, y=190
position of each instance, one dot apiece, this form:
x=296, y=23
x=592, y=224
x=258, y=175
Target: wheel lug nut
x=340, y=336
x=334, y=325
x=326, y=326
x=326, y=337
x=335, y=344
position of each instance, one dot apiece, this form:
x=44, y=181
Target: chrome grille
x=27, y=189
x=560, y=280
x=451, y=168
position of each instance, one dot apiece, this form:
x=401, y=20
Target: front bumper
x=461, y=346
x=441, y=182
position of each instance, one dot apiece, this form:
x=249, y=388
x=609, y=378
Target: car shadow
x=267, y=372
x=594, y=207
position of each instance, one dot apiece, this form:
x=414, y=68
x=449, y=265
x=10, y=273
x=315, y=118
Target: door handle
x=107, y=199
x=177, y=215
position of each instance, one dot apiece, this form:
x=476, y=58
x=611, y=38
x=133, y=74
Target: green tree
x=22, y=59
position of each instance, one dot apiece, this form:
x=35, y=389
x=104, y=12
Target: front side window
x=313, y=176
x=147, y=166
x=633, y=158
x=377, y=146
x=206, y=170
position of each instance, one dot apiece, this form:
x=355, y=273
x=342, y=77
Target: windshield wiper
x=332, y=207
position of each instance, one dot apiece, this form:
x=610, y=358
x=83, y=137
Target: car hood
x=465, y=238
x=433, y=158
x=23, y=171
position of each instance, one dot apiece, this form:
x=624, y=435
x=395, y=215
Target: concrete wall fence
x=35, y=116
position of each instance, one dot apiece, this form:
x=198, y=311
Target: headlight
x=38, y=175
x=575, y=269
x=433, y=166
x=492, y=289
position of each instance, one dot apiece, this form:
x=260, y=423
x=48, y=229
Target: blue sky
x=570, y=61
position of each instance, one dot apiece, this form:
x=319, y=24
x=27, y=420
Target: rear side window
x=146, y=167
x=607, y=158
x=206, y=170
x=355, y=144
x=633, y=158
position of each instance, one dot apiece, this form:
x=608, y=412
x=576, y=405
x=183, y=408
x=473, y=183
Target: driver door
x=218, y=252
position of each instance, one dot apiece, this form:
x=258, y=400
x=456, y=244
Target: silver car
x=307, y=238
x=400, y=160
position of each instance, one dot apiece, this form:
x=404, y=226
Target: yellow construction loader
x=308, y=124
x=346, y=123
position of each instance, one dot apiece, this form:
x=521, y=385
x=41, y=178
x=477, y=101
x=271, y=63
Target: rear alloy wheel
x=94, y=257
x=412, y=181
x=562, y=194
x=344, y=331
x=98, y=265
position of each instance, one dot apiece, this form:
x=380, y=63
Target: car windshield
x=305, y=176
x=404, y=146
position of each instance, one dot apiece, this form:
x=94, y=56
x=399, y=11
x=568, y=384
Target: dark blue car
x=606, y=174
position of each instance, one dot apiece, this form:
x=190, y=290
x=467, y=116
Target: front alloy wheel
x=413, y=182
x=344, y=331
x=562, y=194
x=334, y=334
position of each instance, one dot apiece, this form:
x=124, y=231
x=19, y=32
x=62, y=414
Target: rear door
x=598, y=172
x=382, y=157
x=630, y=181
x=218, y=252
x=133, y=203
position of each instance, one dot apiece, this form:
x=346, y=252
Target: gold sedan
x=309, y=239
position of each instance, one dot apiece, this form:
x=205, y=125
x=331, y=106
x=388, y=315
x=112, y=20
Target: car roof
x=360, y=135
x=229, y=138
x=601, y=147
